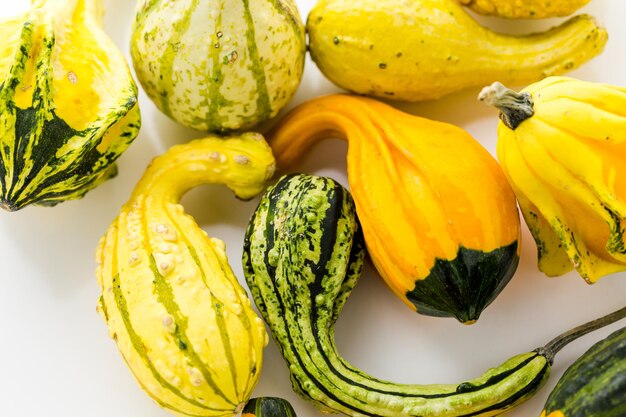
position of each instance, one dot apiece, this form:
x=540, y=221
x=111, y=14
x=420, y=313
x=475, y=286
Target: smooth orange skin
x=422, y=188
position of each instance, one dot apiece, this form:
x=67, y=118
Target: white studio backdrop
x=57, y=360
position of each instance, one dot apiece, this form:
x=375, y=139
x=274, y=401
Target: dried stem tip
x=514, y=107
x=556, y=344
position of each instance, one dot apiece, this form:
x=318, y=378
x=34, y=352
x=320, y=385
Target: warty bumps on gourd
x=54, y=59
x=562, y=146
x=422, y=50
x=218, y=66
x=179, y=316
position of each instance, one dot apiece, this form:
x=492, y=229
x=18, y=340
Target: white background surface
x=56, y=358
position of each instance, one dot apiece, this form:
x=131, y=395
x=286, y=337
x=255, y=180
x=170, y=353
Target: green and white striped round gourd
x=218, y=65
x=181, y=320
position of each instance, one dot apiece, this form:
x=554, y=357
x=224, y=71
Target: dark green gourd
x=268, y=407
x=595, y=384
x=303, y=254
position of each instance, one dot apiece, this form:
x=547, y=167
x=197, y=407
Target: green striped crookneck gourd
x=303, y=254
x=219, y=65
x=595, y=384
x=68, y=103
x=181, y=320
x=444, y=249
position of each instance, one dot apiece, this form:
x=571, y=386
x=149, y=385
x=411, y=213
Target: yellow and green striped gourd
x=68, y=103
x=180, y=318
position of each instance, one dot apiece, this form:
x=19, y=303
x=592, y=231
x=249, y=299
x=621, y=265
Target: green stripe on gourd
x=263, y=104
x=595, y=384
x=180, y=318
x=219, y=65
x=303, y=254
x=166, y=60
x=139, y=346
x=165, y=295
x=43, y=158
x=214, y=98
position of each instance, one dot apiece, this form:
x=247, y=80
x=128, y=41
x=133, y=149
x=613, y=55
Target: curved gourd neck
x=242, y=163
x=336, y=116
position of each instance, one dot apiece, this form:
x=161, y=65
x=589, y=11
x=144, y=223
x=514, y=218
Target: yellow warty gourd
x=562, y=145
x=179, y=316
x=422, y=50
x=524, y=9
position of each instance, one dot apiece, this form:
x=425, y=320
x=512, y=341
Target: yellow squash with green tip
x=68, y=103
x=524, y=9
x=562, y=145
x=180, y=318
x=422, y=50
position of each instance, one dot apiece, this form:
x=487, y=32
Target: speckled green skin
x=595, y=384
x=219, y=65
x=303, y=254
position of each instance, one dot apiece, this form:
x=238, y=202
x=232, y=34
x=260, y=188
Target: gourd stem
x=556, y=344
x=514, y=107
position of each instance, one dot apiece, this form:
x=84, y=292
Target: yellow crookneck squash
x=422, y=50
x=562, y=145
x=68, y=103
x=180, y=318
x=439, y=218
